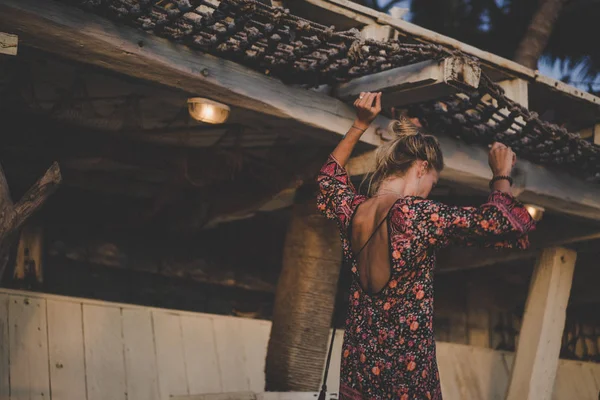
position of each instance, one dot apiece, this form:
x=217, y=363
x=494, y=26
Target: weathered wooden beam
x=536, y=359
x=8, y=44
x=415, y=83
x=338, y=13
x=52, y=26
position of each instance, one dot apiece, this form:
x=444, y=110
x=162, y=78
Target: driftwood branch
x=13, y=216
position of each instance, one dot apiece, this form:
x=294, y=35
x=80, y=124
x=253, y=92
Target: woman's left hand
x=368, y=106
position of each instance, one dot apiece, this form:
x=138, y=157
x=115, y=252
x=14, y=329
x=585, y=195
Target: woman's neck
x=399, y=186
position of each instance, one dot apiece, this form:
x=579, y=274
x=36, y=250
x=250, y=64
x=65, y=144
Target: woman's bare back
x=370, y=242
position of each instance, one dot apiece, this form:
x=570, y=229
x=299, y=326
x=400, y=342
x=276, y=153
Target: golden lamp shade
x=208, y=111
x=536, y=212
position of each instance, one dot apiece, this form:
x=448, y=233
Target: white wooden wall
x=63, y=348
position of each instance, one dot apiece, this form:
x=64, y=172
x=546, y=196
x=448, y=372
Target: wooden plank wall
x=62, y=348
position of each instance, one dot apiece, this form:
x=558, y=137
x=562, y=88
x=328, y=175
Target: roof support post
x=536, y=359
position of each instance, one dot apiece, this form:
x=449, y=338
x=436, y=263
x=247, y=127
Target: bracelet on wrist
x=500, y=178
x=360, y=129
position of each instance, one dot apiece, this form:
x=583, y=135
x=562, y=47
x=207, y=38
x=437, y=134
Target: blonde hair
x=408, y=145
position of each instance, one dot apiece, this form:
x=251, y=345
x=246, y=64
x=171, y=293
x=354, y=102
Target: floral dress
x=389, y=348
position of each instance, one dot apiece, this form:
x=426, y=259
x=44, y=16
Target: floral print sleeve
x=503, y=222
x=337, y=198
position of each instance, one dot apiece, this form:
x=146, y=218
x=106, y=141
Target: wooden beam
x=536, y=359
x=52, y=26
x=415, y=83
x=8, y=44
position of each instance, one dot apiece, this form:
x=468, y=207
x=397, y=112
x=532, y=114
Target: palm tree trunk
x=538, y=33
x=304, y=301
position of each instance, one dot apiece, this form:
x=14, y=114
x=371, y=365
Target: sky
x=545, y=67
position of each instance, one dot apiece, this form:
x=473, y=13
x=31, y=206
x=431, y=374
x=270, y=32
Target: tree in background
x=526, y=31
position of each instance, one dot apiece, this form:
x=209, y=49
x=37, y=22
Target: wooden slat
x=140, y=356
x=415, y=83
x=172, y=375
x=231, y=355
x=256, y=341
x=536, y=360
x=201, y=359
x=66, y=350
x=468, y=372
x=104, y=359
x=4, y=348
x=8, y=44
x=29, y=379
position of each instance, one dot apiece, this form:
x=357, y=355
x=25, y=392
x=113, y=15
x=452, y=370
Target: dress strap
x=376, y=229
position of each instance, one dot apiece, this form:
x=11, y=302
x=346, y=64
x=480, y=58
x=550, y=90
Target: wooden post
x=30, y=254
x=304, y=300
x=536, y=360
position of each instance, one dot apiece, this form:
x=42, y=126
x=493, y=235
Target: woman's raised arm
x=368, y=106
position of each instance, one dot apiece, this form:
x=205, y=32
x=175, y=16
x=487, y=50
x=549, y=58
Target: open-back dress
x=389, y=347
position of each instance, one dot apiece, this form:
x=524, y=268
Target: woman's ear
x=424, y=167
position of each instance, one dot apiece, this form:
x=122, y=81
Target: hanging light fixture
x=536, y=212
x=205, y=110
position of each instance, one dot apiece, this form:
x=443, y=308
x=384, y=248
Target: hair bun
x=403, y=127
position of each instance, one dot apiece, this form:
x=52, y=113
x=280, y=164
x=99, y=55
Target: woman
x=390, y=240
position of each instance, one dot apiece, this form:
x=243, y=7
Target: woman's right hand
x=368, y=106
x=501, y=159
